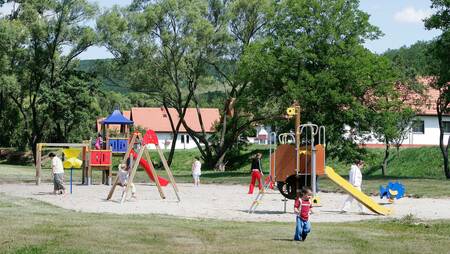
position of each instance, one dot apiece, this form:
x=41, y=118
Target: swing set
x=142, y=158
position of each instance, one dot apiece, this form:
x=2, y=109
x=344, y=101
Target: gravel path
x=225, y=202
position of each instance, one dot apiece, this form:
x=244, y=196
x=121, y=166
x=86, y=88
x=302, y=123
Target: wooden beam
x=132, y=174
x=62, y=145
x=124, y=160
x=169, y=172
x=155, y=175
x=38, y=163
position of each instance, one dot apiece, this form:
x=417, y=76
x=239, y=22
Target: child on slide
x=302, y=209
x=123, y=174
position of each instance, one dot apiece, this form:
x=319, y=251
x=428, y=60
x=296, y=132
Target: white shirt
x=57, y=165
x=355, y=176
x=123, y=176
x=197, y=168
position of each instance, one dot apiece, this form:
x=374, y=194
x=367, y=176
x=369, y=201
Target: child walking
x=355, y=178
x=58, y=174
x=302, y=208
x=196, y=171
x=256, y=174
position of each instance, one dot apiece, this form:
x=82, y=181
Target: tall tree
x=163, y=46
x=441, y=52
x=45, y=39
x=315, y=56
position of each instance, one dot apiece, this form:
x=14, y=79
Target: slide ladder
x=259, y=197
x=357, y=194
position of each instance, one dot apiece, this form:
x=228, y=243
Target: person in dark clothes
x=256, y=173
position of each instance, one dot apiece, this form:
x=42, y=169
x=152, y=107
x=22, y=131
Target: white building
x=424, y=129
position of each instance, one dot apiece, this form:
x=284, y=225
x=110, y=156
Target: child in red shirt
x=302, y=209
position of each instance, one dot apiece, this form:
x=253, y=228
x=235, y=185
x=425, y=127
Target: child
x=99, y=142
x=196, y=171
x=58, y=174
x=355, y=178
x=123, y=179
x=256, y=174
x=302, y=208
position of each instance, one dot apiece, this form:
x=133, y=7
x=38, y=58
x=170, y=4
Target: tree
x=441, y=52
x=163, y=46
x=315, y=56
x=43, y=40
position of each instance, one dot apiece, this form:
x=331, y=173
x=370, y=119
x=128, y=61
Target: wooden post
x=152, y=169
x=89, y=169
x=124, y=160
x=132, y=174
x=167, y=168
x=38, y=163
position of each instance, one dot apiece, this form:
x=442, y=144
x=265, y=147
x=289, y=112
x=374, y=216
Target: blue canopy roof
x=117, y=118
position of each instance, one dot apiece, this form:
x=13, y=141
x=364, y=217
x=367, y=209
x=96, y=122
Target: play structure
x=300, y=159
x=393, y=190
x=71, y=161
x=116, y=139
x=90, y=159
x=137, y=155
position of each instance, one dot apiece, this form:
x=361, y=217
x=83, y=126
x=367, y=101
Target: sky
x=399, y=20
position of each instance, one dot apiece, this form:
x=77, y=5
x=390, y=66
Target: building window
x=446, y=126
x=184, y=139
x=418, y=126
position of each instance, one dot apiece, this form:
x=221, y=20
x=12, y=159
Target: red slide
x=146, y=166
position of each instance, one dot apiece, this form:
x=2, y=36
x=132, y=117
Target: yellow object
x=291, y=111
x=393, y=192
x=357, y=194
x=71, y=158
x=316, y=201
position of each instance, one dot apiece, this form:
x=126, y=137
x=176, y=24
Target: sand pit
x=225, y=202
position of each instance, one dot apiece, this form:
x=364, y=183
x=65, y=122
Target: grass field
x=30, y=226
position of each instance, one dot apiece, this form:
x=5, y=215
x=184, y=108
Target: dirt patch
x=225, y=202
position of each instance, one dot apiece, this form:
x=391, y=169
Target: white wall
x=167, y=137
x=429, y=137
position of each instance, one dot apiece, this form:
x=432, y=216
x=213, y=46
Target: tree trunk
x=385, y=159
x=444, y=148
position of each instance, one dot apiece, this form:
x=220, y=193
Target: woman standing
x=256, y=173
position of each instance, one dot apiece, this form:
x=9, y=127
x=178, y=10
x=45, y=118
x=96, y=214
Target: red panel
x=101, y=157
x=150, y=138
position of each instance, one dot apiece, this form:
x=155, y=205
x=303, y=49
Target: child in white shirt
x=196, y=171
x=58, y=174
x=355, y=178
x=123, y=175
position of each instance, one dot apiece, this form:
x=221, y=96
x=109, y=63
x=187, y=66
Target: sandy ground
x=225, y=202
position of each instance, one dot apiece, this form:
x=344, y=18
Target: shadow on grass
x=264, y=212
x=283, y=239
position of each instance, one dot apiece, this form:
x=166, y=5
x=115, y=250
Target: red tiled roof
x=157, y=119
x=424, y=103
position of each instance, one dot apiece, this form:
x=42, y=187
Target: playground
x=222, y=202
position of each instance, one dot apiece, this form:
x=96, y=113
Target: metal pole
x=313, y=166
x=71, y=175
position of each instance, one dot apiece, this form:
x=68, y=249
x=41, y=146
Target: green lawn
x=30, y=226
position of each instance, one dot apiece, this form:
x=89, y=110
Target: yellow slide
x=357, y=194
